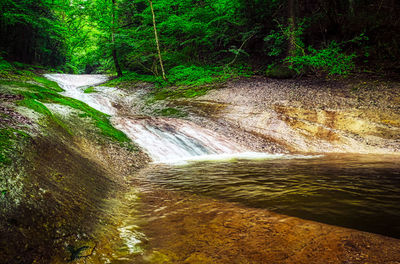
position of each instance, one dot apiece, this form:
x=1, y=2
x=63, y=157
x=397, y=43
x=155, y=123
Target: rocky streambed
x=73, y=194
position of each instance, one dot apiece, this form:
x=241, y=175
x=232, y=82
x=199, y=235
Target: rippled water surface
x=360, y=192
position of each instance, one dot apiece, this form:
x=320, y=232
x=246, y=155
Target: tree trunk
x=351, y=7
x=292, y=28
x=114, y=49
x=157, y=42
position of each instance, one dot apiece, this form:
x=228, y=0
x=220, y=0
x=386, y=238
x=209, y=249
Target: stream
x=356, y=191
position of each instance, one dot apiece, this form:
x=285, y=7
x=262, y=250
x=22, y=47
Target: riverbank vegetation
x=200, y=42
x=35, y=91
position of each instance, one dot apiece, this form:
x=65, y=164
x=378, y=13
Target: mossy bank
x=59, y=170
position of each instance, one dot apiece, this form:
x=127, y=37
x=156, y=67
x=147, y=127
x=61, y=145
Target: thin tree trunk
x=157, y=42
x=114, y=49
x=351, y=7
x=292, y=28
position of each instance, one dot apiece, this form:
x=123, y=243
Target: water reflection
x=360, y=192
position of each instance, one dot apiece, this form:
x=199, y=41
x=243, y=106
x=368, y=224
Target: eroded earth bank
x=75, y=189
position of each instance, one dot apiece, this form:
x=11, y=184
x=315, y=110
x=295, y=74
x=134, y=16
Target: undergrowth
x=183, y=75
x=182, y=81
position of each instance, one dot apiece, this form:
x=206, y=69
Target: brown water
x=360, y=192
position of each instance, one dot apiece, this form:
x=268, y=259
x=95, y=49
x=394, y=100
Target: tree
x=292, y=28
x=156, y=38
x=31, y=31
x=114, y=49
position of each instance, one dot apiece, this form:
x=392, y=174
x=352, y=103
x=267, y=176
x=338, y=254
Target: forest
x=200, y=131
x=199, y=41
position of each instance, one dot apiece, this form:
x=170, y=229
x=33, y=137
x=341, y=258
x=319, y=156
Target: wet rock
x=312, y=115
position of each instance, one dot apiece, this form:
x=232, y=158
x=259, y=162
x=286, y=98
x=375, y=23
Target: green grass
x=35, y=96
x=178, y=92
x=90, y=90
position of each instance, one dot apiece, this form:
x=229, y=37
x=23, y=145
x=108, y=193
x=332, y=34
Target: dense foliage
x=200, y=37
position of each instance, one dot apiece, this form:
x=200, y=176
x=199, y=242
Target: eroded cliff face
x=311, y=116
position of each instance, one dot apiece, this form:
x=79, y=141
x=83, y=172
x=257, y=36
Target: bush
x=331, y=60
x=193, y=75
x=5, y=66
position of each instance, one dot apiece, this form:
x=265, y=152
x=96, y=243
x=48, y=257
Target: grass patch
x=28, y=77
x=90, y=90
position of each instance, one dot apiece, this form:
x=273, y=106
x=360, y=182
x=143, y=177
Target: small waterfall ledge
x=166, y=140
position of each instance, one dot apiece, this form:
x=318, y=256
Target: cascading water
x=74, y=86
x=166, y=140
x=169, y=140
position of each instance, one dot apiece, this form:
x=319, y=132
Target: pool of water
x=360, y=192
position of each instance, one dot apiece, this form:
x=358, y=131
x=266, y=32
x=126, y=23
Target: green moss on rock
x=8, y=138
x=35, y=96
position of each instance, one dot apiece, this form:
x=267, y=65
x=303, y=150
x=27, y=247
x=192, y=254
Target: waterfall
x=169, y=139
x=166, y=140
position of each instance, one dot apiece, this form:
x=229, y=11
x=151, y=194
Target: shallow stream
x=356, y=191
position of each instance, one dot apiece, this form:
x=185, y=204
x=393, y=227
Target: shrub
x=5, y=66
x=330, y=59
x=193, y=75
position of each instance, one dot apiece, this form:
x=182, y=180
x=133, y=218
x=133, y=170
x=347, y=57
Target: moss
x=108, y=130
x=36, y=106
x=42, y=109
x=35, y=96
x=158, y=257
x=47, y=83
x=179, y=92
x=8, y=139
x=90, y=90
x=28, y=77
